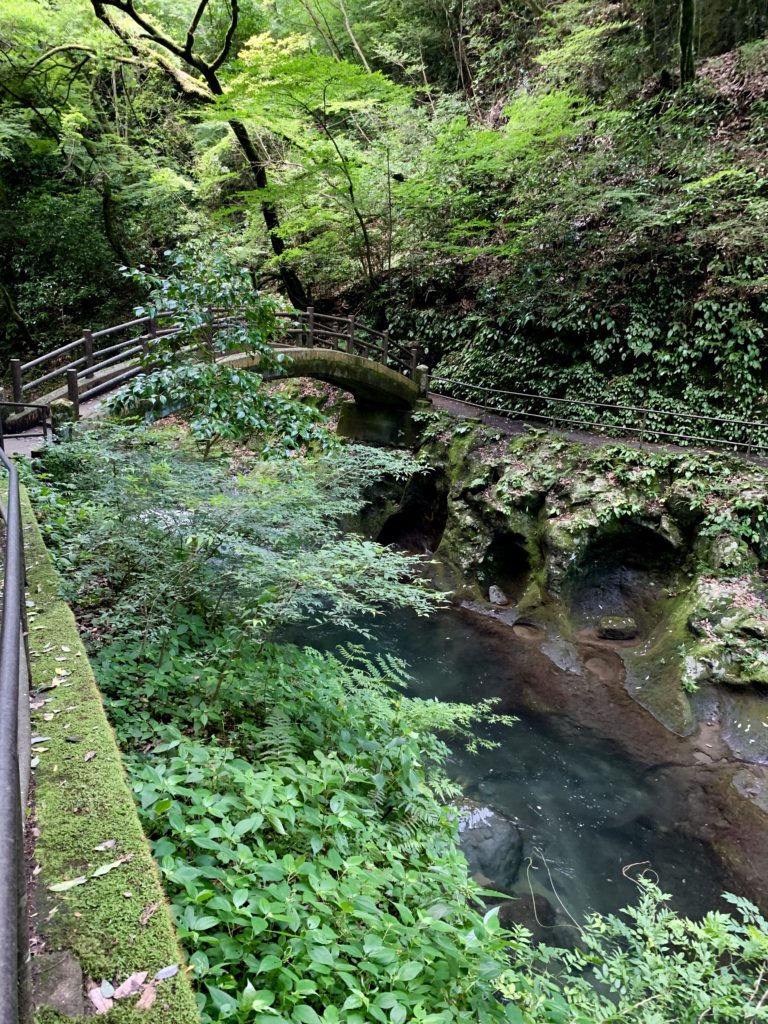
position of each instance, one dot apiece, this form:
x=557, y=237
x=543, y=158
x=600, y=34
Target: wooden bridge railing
x=80, y=361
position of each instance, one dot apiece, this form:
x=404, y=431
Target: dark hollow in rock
x=506, y=566
x=622, y=574
x=493, y=846
x=419, y=523
x=535, y=913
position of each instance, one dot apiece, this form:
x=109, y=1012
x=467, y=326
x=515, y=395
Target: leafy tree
x=217, y=312
x=142, y=33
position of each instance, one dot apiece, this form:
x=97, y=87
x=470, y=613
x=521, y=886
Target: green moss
x=82, y=799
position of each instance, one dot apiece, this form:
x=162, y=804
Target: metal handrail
x=14, y=767
x=643, y=430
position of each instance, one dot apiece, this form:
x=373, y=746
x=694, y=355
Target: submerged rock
x=617, y=627
x=497, y=596
x=535, y=913
x=493, y=846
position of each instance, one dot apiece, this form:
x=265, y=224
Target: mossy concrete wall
x=119, y=922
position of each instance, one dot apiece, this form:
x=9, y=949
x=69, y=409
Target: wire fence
x=640, y=422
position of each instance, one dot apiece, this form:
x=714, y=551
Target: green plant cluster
x=297, y=801
x=215, y=312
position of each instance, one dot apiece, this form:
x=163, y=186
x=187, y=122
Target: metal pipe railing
x=645, y=430
x=14, y=768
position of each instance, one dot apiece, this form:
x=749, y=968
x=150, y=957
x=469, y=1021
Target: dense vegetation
x=297, y=801
x=560, y=196
x=566, y=196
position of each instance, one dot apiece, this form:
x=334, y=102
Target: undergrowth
x=296, y=801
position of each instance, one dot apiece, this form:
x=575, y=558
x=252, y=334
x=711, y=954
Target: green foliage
x=214, y=306
x=296, y=801
x=652, y=967
x=217, y=312
x=143, y=527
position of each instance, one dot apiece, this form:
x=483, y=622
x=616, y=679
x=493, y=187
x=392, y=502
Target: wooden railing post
x=16, y=379
x=73, y=392
x=414, y=357
x=311, y=324
x=385, y=348
x=88, y=345
x=351, y=336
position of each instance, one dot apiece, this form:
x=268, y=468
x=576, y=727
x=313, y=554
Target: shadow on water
x=585, y=809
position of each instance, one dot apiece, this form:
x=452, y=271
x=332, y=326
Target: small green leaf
x=63, y=886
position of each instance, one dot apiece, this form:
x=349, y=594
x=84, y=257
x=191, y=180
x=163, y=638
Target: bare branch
x=231, y=29
x=193, y=26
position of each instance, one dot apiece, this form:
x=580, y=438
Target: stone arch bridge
x=381, y=374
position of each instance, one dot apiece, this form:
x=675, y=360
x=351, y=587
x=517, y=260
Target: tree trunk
x=687, y=60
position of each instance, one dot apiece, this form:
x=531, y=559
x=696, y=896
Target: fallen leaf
x=108, y=844
x=63, y=886
x=34, y=762
x=148, y=997
x=106, y=868
x=166, y=972
x=90, y=755
x=39, y=739
x=65, y=648
x=147, y=912
x=102, y=1005
x=131, y=985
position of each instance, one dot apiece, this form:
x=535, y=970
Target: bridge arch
x=369, y=382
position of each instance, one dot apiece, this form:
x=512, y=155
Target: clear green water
x=585, y=808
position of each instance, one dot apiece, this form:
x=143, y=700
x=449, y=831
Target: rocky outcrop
x=615, y=542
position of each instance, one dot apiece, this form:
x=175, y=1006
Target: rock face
x=493, y=846
x=497, y=596
x=617, y=627
x=535, y=913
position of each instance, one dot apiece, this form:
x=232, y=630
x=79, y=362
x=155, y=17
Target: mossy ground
x=83, y=800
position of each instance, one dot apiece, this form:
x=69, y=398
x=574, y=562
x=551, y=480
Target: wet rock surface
x=635, y=617
x=616, y=627
x=493, y=846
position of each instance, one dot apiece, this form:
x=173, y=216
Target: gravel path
x=510, y=427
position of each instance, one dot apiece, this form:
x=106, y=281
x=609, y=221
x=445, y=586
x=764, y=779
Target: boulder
x=493, y=846
x=728, y=552
x=497, y=596
x=617, y=627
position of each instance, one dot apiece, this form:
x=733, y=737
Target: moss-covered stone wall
x=84, y=822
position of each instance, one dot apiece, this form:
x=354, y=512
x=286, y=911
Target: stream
x=585, y=809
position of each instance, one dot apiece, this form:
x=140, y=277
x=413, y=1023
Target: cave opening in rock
x=621, y=579
x=419, y=523
x=506, y=565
